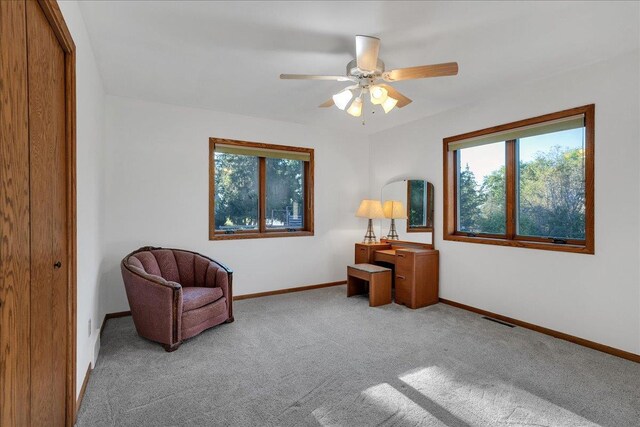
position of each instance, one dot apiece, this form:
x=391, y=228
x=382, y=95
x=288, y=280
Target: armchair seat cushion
x=196, y=297
x=196, y=321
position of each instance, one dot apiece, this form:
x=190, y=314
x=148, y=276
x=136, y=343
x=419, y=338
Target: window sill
x=581, y=249
x=239, y=236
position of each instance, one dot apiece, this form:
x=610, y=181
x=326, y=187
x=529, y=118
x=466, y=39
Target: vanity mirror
x=409, y=204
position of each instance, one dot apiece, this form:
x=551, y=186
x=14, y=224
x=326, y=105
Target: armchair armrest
x=221, y=277
x=151, y=299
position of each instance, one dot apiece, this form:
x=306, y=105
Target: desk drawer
x=384, y=256
x=365, y=252
x=404, y=284
x=405, y=262
x=362, y=254
x=405, y=267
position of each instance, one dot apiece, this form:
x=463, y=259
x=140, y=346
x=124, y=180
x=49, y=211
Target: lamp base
x=393, y=234
x=370, y=237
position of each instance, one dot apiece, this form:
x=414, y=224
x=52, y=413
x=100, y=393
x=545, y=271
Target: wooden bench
x=378, y=278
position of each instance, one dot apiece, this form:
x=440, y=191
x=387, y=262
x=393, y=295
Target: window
x=259, y=190
x=481, y=191
x=526, y=184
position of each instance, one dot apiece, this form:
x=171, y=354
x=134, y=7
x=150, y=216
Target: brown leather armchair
x=176, y=294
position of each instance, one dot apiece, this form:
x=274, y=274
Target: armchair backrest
x=183, y=267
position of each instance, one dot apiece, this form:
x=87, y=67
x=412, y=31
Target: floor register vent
x=499, y=321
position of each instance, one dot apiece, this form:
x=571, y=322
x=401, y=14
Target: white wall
x=157, y=194
x=90, y=188
x=596, y=297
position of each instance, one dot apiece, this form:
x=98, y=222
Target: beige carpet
x=317, y=358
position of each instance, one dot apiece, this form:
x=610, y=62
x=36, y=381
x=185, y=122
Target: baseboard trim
x=82, y=390
x=289, y=290
x=240, y=297
x=113, y=316
x=561, y=335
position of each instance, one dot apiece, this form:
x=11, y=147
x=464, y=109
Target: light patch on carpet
x=377, y=405
x=485, y=400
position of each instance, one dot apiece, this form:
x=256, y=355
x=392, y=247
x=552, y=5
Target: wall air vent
x=499, y=321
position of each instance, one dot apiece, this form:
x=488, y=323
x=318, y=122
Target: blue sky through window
x=566, y=140
x=484, y=159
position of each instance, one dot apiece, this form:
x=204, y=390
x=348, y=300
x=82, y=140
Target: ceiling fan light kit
x=341, y=99
x=389, y=104
x=356, y=107
x=378, y=95
x=368, y=73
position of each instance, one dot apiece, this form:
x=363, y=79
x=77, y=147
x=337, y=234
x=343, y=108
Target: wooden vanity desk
x=415, y=269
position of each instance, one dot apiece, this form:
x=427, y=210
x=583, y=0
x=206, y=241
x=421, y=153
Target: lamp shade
x=394, y=209
x=370, y=209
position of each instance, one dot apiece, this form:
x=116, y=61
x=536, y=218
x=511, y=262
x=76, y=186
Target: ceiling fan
x=368, y=74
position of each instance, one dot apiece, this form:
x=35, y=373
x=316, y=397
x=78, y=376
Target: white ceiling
x=227, y=56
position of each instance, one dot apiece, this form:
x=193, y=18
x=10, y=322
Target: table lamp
x=394, y=209
x=370, y=209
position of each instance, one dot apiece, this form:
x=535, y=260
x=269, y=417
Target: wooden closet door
x=14, y=218
x=49, y=264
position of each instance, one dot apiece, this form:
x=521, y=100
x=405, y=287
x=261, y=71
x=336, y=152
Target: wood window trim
x=428, y=195
x=262, y=231
x=511, y=238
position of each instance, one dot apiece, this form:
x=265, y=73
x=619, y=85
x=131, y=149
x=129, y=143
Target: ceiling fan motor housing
x=354, y=71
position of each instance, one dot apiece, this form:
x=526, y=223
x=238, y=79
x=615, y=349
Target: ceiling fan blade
x=421, y=72
x=314, y=77
x=367, y=49
x=328, y=103
x=402, y=100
